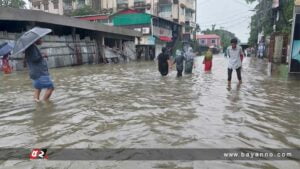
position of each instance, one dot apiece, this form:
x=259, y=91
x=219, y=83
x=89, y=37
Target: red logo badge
x=38, y=154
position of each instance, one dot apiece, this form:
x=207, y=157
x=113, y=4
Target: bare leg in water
x=48, y=94
x=37, y=93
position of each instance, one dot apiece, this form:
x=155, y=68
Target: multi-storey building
x=209, y=40
x=169, y=19
x=180, y=11
x=51, y=6
x=63, y=7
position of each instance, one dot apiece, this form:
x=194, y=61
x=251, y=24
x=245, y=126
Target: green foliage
x=86, y=10
x=263, y=19
x=225, y=35
x=12, y=3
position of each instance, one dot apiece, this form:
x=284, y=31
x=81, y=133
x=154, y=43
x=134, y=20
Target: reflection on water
x=132, y=106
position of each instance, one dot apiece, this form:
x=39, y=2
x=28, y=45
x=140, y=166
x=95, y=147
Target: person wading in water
x=179, y=59
x=207, y=61
x=235, y=54
x=164, y=62
x=189, y=61
x=38, y=71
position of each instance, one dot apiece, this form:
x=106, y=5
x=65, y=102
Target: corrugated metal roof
x=11, y=14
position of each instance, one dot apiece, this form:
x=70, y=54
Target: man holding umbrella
x=37, y=65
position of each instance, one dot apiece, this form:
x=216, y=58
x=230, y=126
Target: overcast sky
x=232, y=15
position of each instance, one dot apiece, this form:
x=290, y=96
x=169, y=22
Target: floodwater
x=132, y=106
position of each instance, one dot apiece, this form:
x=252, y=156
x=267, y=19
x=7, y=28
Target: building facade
x=63, y=7
x=51, y=6
x=209, y=40
x=156, y=32
x=180, y=11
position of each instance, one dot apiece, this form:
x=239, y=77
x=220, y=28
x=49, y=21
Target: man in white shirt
x=235, y=55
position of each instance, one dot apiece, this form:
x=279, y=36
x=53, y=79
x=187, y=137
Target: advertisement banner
x=147, y=40
x=295, y=52
x=158, y=31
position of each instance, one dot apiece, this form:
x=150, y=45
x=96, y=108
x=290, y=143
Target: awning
x=165, y=38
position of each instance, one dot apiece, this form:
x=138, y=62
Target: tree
x=12, y=3
x=85, y=10
x=263, y=19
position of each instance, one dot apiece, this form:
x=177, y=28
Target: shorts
x=43, y=82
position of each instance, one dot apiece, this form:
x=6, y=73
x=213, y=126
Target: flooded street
x=132, y=106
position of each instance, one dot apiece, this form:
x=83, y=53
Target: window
x=165, y=8
x=202, y=41
x=46, y=6
x=81, y=3
x=122, y=1
x=38, y=6
x=181, y=11
x=121, y=4
x=165, y=11
x=55, y=4
x=213, y=41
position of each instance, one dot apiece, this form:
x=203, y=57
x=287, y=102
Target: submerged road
x=132, y=106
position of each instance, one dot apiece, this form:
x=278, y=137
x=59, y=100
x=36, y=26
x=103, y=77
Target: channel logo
x=38, y=154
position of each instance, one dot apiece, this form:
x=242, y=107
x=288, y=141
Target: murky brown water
x=132, y=106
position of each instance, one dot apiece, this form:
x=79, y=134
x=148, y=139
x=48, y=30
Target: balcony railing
x=190, y=4
x=121, y=4
x=167, y=15
x=165, y=2
x=188, y=18
x=140, y=3
x=122, y=1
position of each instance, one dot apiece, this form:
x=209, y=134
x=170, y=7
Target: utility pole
x=213, y=27
x=196, y=4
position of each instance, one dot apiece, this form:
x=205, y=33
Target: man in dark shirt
x=38, y=71
x=163, y=62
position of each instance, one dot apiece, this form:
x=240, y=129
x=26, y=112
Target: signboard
x=296, y=51
x=138, y=29
x=147, y=40
x=146, y=30
x=158, y=31
x=294, y=61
